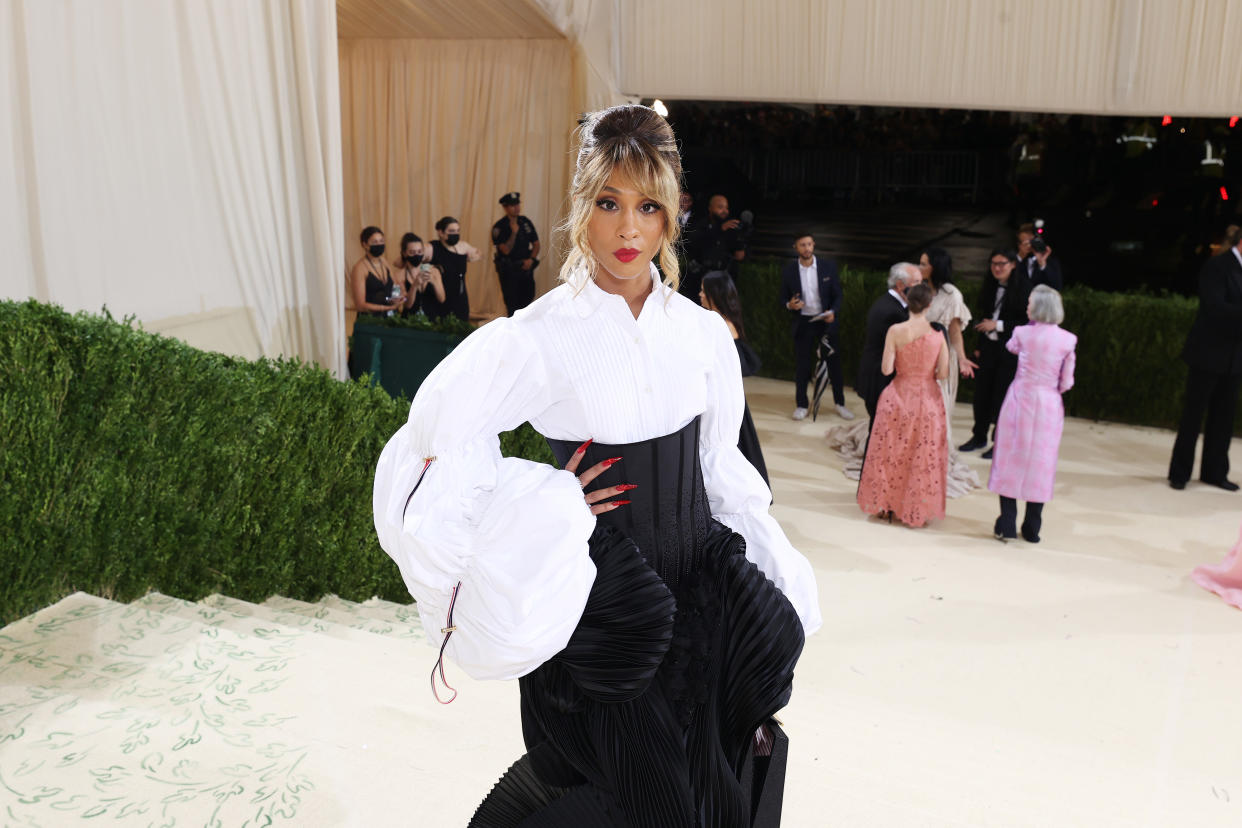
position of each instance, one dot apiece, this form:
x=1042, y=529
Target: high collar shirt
x=898, y=297
x=577, y=365
x=810, y=288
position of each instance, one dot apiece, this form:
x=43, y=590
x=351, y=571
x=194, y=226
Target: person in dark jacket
x=811, y=292
x=1213, y=351
x=885, y=312
x=1002, y=307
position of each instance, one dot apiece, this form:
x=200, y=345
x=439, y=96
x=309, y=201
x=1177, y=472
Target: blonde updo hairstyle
x=634, y=142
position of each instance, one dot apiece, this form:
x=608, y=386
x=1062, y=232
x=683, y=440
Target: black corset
x=668, y=515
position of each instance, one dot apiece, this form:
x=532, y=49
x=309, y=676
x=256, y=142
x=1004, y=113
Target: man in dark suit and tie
x=811, y=292
x=1214, y=353
x=1002, y=307
x=885, y=312
x=1035, y=259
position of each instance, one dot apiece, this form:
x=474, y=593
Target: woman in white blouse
x=651, y=607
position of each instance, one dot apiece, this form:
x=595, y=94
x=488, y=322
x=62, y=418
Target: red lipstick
x=626, y=254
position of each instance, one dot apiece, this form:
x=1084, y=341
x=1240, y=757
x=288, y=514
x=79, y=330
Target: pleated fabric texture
x=647, y=717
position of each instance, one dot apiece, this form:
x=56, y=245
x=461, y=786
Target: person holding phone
x=811, y=292
x=374, y=291
x=418, y=276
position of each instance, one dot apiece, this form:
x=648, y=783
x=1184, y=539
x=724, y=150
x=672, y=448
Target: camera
x=1038, y=245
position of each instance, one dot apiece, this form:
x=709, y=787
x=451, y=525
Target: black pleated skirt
x=647, y=718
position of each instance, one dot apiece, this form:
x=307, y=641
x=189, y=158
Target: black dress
x=379, y=291
x=646, y=719
x=453, y=269
x=748, y=438
x=409, y=278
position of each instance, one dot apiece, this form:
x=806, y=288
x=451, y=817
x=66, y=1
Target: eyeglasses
x=1001, y=263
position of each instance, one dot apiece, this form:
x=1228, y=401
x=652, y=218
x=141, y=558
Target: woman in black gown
x=451, y=255
x=649, y=605
x=718, y=293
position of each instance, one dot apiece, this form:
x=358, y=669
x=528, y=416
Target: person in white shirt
x=651, y=607
x=811, y=292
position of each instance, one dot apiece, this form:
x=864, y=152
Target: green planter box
x=398, y=359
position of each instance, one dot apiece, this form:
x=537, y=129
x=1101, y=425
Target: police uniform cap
x=511, y=198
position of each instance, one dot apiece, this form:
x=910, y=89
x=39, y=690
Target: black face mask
x=415, y=258
x=376, y=250
x=452, y=239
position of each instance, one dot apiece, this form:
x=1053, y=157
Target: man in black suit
x=1214, y=353
x=885, y=312
x=811, y=292
x=1037, y=261
x=1002, y=307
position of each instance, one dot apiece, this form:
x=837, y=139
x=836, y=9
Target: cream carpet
x=957, y=681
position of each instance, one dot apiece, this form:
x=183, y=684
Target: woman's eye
x=606, y=204
x=650, y=207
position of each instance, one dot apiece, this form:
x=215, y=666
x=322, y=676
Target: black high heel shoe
x=999, y=535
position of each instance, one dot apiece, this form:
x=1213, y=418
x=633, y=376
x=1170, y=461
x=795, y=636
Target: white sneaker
x=844, y=413
x=799, y=413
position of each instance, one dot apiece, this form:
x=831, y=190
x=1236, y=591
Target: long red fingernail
x=611, y=460
x=625, y=487
x=583, y=447
x=620, y=502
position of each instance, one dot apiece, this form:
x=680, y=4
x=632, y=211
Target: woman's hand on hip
x=594, y=498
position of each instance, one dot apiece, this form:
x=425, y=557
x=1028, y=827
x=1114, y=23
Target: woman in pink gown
x=907, y=457
x=1224, y=578
x=1028, y=431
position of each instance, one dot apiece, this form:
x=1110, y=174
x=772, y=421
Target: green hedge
x=1129, y=369
x=134, y=462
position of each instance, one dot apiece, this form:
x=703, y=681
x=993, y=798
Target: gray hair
x=1046, y=306
x=900, y=272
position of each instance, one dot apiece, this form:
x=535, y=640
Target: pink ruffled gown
x=1224, y=578
x=907, y=459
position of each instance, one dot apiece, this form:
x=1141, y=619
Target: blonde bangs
x=649, y=173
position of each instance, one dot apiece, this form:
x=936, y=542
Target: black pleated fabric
x=646, y=718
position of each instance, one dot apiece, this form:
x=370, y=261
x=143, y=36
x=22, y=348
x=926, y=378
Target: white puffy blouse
x=577, y=365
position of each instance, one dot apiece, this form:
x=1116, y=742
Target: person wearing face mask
x=422, y=282
x=451, y=255
x=370, y=280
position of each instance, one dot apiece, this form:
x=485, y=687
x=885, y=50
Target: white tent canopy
x=206, y=165
x=179, y=162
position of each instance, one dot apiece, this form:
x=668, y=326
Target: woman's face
x=625, y=230
x=373, y=239
x=1001, y=268
x=704, y=301
x=414, y=252
x=1030, y=308
x=925, y=268
x=449, y=230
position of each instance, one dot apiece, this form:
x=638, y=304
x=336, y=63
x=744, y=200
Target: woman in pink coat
x=1028, y=431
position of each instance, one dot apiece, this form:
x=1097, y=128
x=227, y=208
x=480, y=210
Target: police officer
x=517, y=253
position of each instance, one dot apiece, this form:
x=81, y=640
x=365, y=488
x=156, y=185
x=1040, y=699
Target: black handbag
x=763, y=774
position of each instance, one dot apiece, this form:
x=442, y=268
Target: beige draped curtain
x=445, y=127
x=1155, y=57
x=178, y=162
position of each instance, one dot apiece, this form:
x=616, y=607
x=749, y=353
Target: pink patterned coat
x=1028, y=431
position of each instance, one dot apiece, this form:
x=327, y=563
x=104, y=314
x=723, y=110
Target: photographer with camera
x=517, y=254
x=1036, y=259
x=719, y=243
